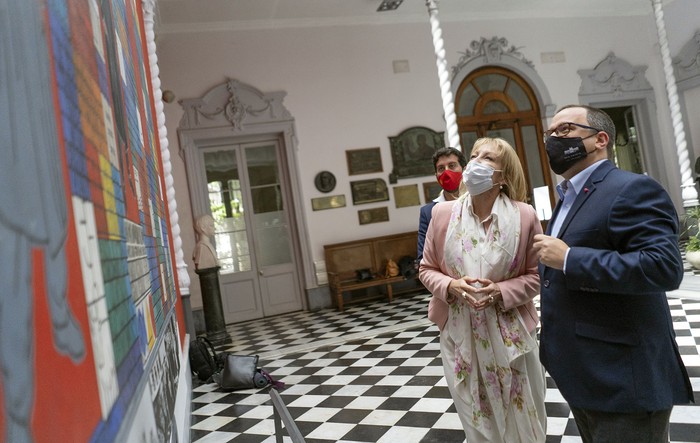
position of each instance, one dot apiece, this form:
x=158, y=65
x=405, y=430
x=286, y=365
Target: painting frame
x=412, y=151
x=364, y=161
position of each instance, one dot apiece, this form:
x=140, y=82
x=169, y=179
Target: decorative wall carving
x=687, y=64
x=236, y=104
x=614, y=82
x=493, y=49
x=613, y=75
x=496, y=52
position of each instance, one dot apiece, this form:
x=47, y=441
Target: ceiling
x=220, y=15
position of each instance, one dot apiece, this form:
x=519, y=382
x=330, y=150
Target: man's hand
x=551, y=251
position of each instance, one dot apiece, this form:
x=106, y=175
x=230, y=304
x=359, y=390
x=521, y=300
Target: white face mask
x=478, y=177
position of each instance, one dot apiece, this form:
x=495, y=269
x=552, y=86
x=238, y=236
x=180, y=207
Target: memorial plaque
x=374, y=215
x=331, y=202
x=369, y=191
x=364, y=161
x=406, y=196
x=412, y=151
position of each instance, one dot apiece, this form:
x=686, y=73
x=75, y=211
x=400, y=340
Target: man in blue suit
x=449, y=164
x=609, y=254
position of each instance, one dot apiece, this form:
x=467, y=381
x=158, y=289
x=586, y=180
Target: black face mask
x=563, y=153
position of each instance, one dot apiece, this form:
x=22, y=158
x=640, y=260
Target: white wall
x=343, y=93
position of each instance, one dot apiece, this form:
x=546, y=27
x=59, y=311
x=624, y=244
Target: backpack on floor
x=407, y=267
x=204, y=361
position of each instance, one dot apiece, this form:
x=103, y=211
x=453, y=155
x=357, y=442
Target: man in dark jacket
x=444, y=159
x=609, y=254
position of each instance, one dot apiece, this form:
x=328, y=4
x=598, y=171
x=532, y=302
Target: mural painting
x=90, y=322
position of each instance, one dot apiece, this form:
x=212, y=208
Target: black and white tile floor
x=373, y=374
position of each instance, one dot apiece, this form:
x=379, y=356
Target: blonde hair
x=515, y=186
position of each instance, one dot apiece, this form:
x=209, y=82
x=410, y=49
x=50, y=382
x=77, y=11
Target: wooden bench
x=344, y=259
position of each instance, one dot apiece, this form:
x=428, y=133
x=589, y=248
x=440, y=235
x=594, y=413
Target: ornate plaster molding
x=492, y=49
x=687, y=63
x=233, y=103
x=495, y=51
x=614, y=76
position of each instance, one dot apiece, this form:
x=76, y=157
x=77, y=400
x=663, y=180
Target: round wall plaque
x=325, y=181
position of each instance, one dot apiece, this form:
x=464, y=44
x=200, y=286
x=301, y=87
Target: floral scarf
x=489, y=343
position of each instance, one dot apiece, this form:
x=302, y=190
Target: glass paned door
x=269, y=216
x=227, y=209
x=247, y=195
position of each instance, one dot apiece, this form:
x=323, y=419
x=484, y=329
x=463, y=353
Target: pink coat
x=518, y=292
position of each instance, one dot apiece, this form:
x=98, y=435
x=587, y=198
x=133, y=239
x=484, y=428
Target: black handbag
x=242, y=372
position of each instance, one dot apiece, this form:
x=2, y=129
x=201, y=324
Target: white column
x=447, y=100
x=148, y=21
x=688, y=191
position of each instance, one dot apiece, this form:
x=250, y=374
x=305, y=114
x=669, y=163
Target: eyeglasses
x=564, y=128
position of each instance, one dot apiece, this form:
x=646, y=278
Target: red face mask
x=450, y=180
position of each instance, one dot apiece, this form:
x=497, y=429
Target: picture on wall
x=364, y=161
x=369, y=191
x=412, y=151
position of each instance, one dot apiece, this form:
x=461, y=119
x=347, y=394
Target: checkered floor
x=373, y=374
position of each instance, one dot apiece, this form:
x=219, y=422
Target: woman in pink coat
x=479, y=265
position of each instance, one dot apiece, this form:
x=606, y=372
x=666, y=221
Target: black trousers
x=614, y=427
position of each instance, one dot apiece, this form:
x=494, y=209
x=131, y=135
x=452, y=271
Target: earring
x=501, y=187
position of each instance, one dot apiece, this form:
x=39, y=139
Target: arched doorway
x=493, y=101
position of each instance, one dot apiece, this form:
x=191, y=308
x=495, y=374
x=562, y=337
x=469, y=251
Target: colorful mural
x=91, y=327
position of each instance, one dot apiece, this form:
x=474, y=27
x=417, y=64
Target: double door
x=247, y=194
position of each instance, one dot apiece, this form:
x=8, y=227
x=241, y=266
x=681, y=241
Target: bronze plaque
x=325, y=181
x=406, y=196
x=333, y=201
x=374, y=215
x=369, y=191
x=412, y=151
x=364, y=161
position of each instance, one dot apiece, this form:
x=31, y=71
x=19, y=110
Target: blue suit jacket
x=426, y=213
x=607, y=336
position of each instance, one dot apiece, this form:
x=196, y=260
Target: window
x=496, y=102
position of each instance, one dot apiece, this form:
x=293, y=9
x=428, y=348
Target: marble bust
x=204, y=255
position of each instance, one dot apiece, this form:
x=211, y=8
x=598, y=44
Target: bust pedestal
x=213, y=310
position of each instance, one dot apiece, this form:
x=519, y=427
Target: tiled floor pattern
x=373, y=374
